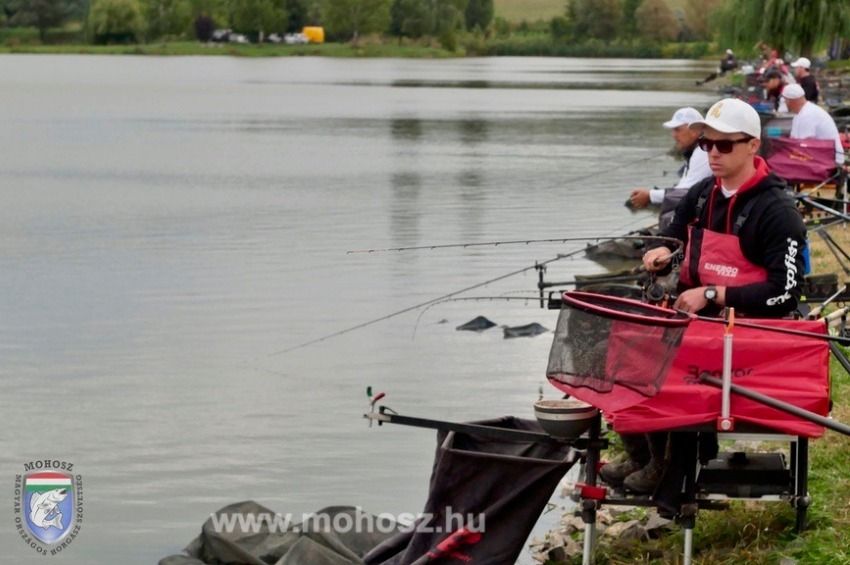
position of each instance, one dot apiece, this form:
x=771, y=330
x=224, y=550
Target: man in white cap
x=695, y=167
x=728, y=63
x=802, y=72
x=743, y=239
x=810, y=120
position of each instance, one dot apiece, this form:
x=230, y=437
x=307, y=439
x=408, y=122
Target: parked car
x=238, y=38
x=295, y=39
x=274, y=38
x=221, y=35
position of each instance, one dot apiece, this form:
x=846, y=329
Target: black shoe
x=615, y=473
x=646, y=479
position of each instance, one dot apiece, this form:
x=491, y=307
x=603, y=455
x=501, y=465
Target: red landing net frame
x=641, y=365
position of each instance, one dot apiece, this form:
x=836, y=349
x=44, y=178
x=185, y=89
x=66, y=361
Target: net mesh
x=603, y=341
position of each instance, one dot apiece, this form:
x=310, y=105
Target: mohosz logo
x=48, y=505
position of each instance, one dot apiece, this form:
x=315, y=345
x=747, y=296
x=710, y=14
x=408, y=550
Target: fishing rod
x=597, y=174
x=537, y=265
x=815, y=312
x=518, y=242
x=778, y=404
x=612, y=279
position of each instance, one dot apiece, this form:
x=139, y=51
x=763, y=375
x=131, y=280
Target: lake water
x=170, y=225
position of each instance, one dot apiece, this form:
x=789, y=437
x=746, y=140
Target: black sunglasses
x=722, y=145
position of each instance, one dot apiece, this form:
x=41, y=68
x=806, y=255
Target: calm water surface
x=169, y=225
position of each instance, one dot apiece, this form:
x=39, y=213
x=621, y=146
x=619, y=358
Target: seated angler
x=810, y=120
x=694, y=169
x=743, y=236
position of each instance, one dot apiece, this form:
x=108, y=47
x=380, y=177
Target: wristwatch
x=710, y=294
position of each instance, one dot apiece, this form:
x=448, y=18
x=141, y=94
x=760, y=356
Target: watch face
x=711, y=293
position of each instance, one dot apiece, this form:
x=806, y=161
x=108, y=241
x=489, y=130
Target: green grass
x=195, y=48
x=529, y=10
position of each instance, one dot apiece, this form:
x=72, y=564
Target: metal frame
x=385, y=415
x=590, y=497
x=692, y=500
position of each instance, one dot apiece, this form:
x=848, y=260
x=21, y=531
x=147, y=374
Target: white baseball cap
x=802, y=62
x=683, y=116
x=793, y=91
x=731, y=115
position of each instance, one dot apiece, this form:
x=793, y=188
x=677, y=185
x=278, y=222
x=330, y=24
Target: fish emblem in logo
x=48, y=505
x=715, y=110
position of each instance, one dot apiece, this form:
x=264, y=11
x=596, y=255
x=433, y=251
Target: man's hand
x=639, y=198
x=692, y=300
x=656, y=259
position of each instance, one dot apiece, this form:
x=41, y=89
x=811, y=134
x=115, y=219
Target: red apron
x=715, y=258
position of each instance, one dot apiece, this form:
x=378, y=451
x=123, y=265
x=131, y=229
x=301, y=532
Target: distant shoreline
x=368, y=49
x=178, y=49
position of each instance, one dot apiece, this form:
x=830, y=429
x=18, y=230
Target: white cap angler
x=793, y=91
x=802, y=62
x=682, y=117
x=731, y=115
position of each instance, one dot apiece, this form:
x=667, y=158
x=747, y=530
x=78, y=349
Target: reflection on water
x=171, y=225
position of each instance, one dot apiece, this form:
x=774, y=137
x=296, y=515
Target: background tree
x=352, y=18
x=257, y=18
x=42, y=14
x=218, y=10
x=299, y=14
x=167, y=17
x=595, y=18
x=116, y=21
x=479, y=13
x=411, y=18
x=561, y=28
x=656, y=21
x=436, y=18
x=697, y=18
x=629, y=25
x=796, y=25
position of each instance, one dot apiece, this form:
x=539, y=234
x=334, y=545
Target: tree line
x=122, y=21
x=799, y=25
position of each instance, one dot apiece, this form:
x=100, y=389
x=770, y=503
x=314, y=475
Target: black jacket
x=773, y=237
x=810, y=87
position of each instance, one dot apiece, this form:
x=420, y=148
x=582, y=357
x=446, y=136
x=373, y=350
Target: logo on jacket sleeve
x=790, y=262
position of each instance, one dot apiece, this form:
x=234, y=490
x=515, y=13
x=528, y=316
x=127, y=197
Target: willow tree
x=351, y=18
x=802, y=26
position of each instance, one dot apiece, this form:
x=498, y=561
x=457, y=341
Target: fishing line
x=423, y=304
x=469, y=298
x=598, y=174
x=559, y=257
